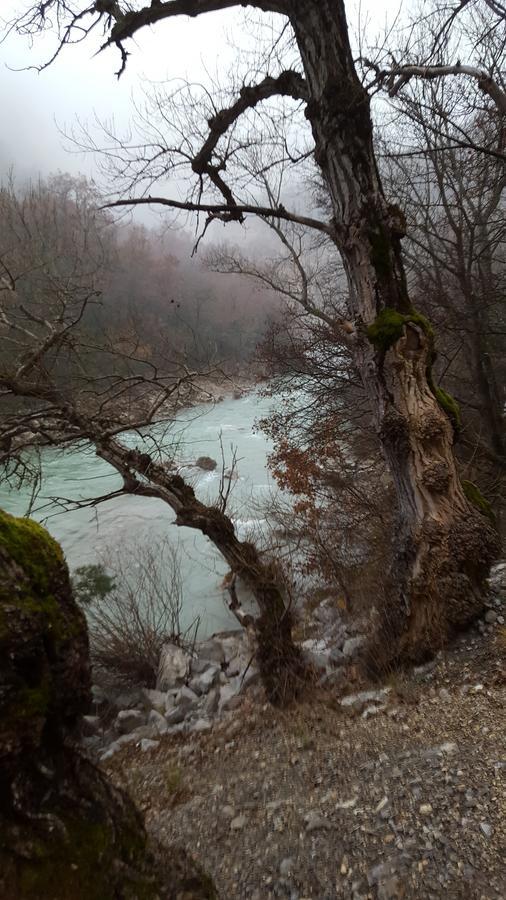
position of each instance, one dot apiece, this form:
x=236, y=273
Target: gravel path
x=319, y=802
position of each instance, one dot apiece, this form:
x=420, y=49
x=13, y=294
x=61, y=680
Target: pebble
x=286, y=867
x=449, y=747
x=425, y=809
x=391, y=889
x=381, y=805
x=315, y=822
x=238, y=823
x=486, y=829
x=346, y=804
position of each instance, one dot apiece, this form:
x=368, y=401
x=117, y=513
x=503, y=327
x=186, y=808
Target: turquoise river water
x=127, y=522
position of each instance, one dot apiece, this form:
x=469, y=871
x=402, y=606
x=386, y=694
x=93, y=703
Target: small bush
x=133, y=612
x=91, y=583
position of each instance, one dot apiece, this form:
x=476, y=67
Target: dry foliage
x=129, y=624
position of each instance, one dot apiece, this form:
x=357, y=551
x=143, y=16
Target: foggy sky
x=36, y=107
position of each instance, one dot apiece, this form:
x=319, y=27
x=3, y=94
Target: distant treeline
x=149, y=298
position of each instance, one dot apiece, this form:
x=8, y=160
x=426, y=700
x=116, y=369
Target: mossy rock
x=65, y=832
x=45, y=678
x=88, y=842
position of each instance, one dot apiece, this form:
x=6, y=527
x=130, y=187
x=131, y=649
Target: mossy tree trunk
x=444, y=544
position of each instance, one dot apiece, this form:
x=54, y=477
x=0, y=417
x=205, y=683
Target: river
x=87, y=534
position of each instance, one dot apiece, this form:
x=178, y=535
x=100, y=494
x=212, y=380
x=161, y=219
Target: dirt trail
x=319, y=802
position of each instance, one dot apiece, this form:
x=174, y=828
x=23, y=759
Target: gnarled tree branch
x=228, y=214
x=397, y=77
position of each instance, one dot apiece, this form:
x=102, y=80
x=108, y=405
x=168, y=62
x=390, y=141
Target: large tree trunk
x=444, y=545
x=280, y=660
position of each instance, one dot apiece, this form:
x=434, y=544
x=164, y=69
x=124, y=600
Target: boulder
x=173, y=668
x=352, y=646
x=232, y=703
x=237, y=650
x=126, y=699
x=170, y=700
x=336, y=678
x=67, y=832
x=157, y=722
x=200, y=725
x=497, y=578
x=212, y=651
x=365, y=699
x=229, y=695
x=203, y=683
x=186, y=699
x=91, y=726
x=128, y=720
x=212, y=702
x=327, y=613
x=99, y=698
x=314, y=645
x=206, y=463
x=316, y=654
x=120, y=742
x=199, y=666
x=336, y=657
x=147, y=744
x=154, y=699
x=175, y=716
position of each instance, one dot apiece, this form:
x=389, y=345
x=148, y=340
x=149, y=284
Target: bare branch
x=289, y=84
x=399, y=76
x=229, y=214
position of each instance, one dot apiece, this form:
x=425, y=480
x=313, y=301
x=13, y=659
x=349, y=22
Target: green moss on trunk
x=387, y=329
x=449, y=405
x=474, y=495
x=388, y=326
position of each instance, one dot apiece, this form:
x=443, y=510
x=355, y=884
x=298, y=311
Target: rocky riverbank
x=195, y=689
x=361, y=791
x=46, y=431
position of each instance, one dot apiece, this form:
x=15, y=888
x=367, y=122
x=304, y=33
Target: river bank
x=342, y=796
x=122, y=524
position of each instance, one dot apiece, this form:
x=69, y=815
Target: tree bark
x=444, y=545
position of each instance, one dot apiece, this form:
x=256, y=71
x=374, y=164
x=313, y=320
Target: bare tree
x=444, y=545
x=456, y=265
x=445, y=163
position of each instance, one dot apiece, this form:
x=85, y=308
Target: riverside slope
x=335, y=800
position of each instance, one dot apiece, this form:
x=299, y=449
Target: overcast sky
x=78, y=84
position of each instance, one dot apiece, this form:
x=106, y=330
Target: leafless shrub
x=129, y=624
